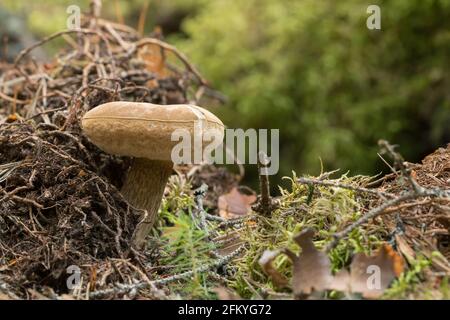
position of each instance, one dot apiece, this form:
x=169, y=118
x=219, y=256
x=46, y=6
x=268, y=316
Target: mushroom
x=144, y=131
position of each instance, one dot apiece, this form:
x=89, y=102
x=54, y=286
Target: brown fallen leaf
x=370, y=276
x=312, y=271
x=341, y=281
x=236, y=203
x=279, y=280
x=154, y=58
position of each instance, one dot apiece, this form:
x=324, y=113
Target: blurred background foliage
x=310, y=68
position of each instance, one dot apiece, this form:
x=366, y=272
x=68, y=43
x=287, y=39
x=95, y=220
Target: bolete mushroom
x=144, y=131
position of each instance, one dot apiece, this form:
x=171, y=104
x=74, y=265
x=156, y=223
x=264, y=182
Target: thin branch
x=265, y=204
x=27, y=50
x=399, y=162
x=125, y=288
x=344, y=186
x=199, y=195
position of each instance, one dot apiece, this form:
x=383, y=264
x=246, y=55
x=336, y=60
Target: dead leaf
x=236, y=203
x=312, y=270
x=279, y=280
x=154, y=58
x=370, y=276
x=12, y=117
x=341, y=281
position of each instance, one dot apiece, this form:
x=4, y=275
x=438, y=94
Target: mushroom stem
x=144, y=189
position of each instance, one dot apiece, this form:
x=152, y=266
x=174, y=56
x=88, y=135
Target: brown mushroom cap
x=144, y=130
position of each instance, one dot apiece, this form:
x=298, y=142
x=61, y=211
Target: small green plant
x=445, y=288
x=182, y=245
x=185, y=247
x=408, y=280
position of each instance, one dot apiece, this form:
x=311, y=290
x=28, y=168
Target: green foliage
x=408, y=280
x=45, y=17
x=410, y=284
x=333, y=87
x=183, y=246
x=186, y=247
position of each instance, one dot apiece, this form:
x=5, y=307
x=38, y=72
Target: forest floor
x=63, y=218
